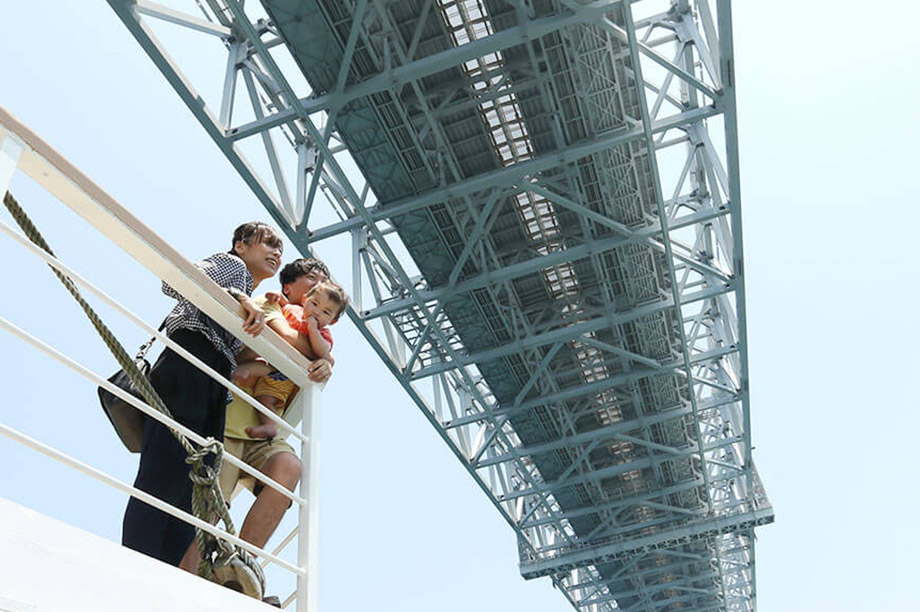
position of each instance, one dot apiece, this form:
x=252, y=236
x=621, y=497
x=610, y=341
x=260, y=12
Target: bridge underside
x=563, y=176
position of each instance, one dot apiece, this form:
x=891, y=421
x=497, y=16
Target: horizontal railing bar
x=287, y=540
x=141, y=405
x=143, y=496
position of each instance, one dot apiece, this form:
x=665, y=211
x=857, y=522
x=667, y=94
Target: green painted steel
x=381, y=134
x=583, y=320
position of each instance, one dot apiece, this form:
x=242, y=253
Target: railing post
x=308, y=530
x=11, y=148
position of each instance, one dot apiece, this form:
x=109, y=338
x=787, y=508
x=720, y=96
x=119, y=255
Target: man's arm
x=248, y=373
x=246, y=354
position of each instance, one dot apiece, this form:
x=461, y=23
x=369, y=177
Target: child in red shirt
x=322, y=306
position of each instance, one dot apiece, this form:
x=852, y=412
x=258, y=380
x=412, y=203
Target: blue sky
x=827, y=134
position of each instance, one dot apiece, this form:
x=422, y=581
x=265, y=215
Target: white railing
x=22, y=150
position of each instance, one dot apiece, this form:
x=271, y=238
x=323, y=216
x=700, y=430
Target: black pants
x=197, y=402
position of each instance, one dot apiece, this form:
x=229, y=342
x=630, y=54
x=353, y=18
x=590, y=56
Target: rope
x=207, y=499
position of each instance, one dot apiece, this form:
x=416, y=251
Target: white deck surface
x=47, y=565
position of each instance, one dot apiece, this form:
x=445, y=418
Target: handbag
x=127, y=420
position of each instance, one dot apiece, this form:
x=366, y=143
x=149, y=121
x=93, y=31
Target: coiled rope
x=207, y=498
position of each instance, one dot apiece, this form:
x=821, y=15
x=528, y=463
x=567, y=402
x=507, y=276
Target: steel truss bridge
x=542, y=202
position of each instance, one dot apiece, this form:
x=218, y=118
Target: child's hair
x=297, y=268
x=336, y=295
x=256, y=232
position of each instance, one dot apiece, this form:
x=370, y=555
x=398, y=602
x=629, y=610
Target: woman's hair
x=297, y=268
x=256, y=232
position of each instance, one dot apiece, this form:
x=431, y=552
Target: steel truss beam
x=511, y=175
x=696, y=229
x=339, y=182
x=400, y=76
x=661, y=540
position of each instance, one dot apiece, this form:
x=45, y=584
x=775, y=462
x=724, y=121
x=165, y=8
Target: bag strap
x=142, y=351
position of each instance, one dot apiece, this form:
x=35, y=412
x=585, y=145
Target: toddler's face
x=319, y=306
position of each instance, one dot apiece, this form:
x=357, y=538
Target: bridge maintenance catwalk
x=542, y=202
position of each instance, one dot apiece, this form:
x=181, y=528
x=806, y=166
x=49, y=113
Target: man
x=274, y=458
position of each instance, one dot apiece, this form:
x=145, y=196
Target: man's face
x=319, y=306
x=296, y=290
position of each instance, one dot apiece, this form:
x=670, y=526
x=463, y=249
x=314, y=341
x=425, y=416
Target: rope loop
x=201, y=473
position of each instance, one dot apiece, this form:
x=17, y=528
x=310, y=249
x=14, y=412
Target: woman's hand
x=255, y=318
x=319, y=371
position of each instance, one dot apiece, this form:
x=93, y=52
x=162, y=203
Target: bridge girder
x=693, y=230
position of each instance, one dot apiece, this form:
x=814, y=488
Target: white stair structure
x=49, y=565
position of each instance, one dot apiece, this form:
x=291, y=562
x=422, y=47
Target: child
x=322, y=306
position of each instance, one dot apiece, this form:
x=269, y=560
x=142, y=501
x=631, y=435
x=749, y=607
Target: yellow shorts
x=253, y=453
x=275, y=385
